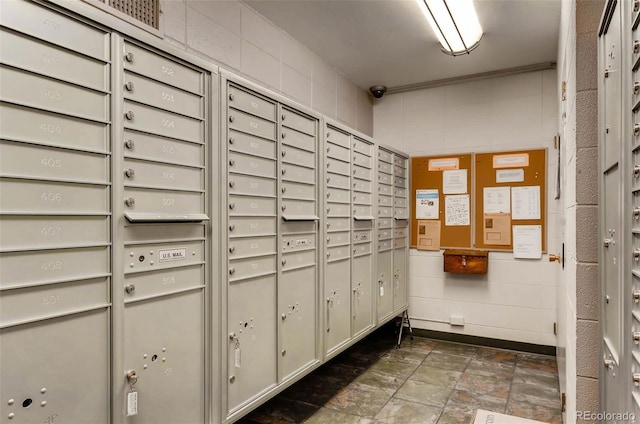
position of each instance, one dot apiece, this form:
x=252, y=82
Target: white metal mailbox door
x=337, y=324
x=165, y=346
x=611, y=239
x=362, y=283
x=385, y=283
x=399, y=278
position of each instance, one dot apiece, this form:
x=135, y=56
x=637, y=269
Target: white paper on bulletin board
x=443, y=164
x=454, y=181
x=511, y=160
x=496, y=200
x=427, y=204
x=527, y=241
x=509, y=175
x=457, y=210
x=525, y=202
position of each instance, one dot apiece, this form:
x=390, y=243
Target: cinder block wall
x=588, y=14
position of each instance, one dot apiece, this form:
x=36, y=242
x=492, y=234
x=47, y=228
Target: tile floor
x=426, y=381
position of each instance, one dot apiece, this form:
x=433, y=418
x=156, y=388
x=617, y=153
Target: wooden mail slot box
x=466, y=261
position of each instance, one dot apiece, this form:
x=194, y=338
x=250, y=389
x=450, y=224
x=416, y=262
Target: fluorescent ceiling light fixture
x=455, y=23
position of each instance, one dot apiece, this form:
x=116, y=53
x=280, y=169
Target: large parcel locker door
x=399, y=275
x=252, y=339
x=297, y=310
x=337, y=302
x=362, y=282
x=162, y=253
x=46, y=366
x=164, y=345
x=384, y=276
x=55, y=239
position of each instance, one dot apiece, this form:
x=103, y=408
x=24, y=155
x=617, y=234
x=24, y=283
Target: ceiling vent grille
x=145, y=11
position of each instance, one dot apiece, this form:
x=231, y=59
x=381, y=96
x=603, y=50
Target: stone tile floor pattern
x=426, y=381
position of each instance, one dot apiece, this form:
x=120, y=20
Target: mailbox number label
x=51, y=163
x=49, y=59
x=51, y=300
x=168, y=97
x=51, y=197
x=51, y=231
x=49, y=128
x=52, y=94
x=51, y=266
x=168, y=71
x=55, y=26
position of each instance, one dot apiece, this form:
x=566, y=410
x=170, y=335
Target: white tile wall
x=226, y=13
x=297, y=56
x=423, y=99
x=324, y=74
x=236, y=37
x=260, y=65
x=347, y=111
x=387, y=130
x=517, y=299
x=364, y=119
x=323, y=100
x=296, y=85
x=175, y=20
x=346, y=88
x=261, y=33
x=211, y=39
x=347, y=101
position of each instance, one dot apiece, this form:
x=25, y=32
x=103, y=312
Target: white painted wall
x=517, y=299
x=234, y=36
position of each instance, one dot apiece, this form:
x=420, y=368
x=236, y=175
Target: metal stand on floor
x=404, y=319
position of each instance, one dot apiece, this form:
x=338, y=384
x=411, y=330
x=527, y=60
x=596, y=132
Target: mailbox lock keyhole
x=132, y=378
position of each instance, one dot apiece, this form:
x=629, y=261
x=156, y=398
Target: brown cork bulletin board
x=427, y=174
x=501, y=173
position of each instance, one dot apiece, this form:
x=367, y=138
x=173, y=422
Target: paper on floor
x=486, y=417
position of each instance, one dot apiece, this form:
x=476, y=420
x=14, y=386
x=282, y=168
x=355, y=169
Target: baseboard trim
x=486, y=341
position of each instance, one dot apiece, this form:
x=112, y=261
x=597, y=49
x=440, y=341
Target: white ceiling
x=389, y=42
